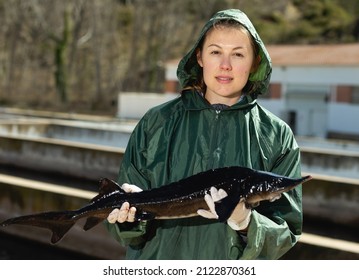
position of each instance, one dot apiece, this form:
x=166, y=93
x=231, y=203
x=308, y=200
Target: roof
x=334, y=55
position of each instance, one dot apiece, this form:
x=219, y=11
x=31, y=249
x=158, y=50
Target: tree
x=61, y=45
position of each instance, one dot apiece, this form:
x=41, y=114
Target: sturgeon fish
x=180, y=199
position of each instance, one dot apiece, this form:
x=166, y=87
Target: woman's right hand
x=125, y=213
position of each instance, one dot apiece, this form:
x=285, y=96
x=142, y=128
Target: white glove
x=240, y=217
x=125, y=213
x=216, y=195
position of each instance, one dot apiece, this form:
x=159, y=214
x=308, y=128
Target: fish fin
x=59, y=223
x=224, y=207
x=92, y=222
x=59, y=232
x=143, y=216
x=107, y=186
x=252, y=205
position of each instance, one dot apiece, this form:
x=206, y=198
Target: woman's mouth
x=224, y=79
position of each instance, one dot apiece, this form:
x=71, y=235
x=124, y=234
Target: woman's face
x=227, y=60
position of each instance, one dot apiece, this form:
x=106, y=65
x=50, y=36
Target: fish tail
x=92, y=222
x=59, y=223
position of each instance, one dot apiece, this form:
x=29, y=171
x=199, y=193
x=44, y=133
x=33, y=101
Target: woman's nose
x=225, y=64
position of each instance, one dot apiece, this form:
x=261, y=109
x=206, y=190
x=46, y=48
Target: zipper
x=215, y=135
x=213, y=160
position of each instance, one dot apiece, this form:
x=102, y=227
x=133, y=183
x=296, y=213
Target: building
x=314, y=88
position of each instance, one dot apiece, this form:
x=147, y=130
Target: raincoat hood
x=189, y=70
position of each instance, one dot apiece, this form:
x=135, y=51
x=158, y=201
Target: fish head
x=270, y=186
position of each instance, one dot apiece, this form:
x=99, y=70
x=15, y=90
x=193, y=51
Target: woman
x=216, y=122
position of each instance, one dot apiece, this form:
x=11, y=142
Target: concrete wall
x=327, y=198
x=73, y=148
x=339, y=163
x=132, y=105
x=113, y=134
x=51, y=155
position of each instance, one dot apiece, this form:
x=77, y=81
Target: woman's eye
x=238, y=55
x=214, y=52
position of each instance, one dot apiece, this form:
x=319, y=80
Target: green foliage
x=308, y=22
x=125, y=16
x=321, y=21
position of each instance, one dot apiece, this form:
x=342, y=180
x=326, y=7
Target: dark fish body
x=180, y=199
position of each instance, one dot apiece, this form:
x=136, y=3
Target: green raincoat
x=187, y=135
